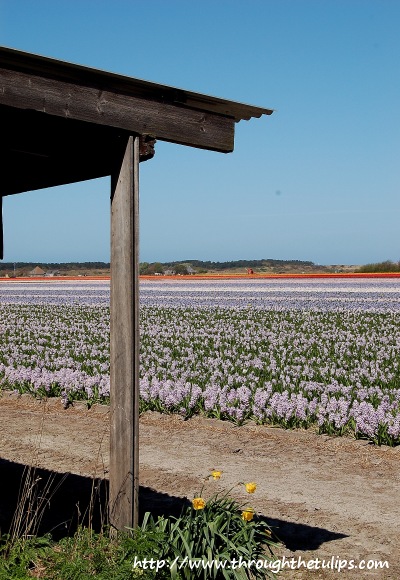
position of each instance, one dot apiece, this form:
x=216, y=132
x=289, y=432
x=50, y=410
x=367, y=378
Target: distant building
x=37, y=272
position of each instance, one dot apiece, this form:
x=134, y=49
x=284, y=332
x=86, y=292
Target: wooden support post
x=124, y=340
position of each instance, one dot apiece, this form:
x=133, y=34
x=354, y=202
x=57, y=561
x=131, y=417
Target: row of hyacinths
x=296, y=353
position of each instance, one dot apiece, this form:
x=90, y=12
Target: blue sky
x=318, y=180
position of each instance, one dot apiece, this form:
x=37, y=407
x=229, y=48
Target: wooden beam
x=166, y=121
x=124, y=340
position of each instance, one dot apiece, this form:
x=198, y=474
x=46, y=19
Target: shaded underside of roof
x=39, y=151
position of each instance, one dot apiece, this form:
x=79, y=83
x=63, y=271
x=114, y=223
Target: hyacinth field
x=294, y=353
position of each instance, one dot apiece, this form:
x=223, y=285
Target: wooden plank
x=124, y=340
x=166, y=121
x=78, y=74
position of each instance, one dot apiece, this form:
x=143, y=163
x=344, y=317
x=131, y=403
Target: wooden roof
x=62, y=122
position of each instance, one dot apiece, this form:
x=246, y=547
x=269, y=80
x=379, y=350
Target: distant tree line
x=184, y=267
x=380, y=267
x=244, y=264
x=56, y=265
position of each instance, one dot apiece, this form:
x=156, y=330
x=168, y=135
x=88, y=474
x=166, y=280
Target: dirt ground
x=325, y=497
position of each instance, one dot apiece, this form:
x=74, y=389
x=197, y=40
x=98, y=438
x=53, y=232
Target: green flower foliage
x=211, y=542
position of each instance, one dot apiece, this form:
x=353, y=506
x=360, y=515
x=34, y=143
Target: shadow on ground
x=68, y=500
x=64, y=500
x=301, y=536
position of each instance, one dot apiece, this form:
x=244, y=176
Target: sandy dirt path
x=326, y=497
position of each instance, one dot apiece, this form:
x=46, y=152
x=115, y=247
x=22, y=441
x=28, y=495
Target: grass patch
x=84, y=556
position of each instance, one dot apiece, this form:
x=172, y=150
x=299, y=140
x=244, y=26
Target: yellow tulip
x=248, y=514
x=250, y=487
x=216, y=474
x=198, y=503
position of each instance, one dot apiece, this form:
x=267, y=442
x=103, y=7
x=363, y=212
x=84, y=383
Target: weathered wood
x=166, y=121
x=124, y=340
x=78, y=74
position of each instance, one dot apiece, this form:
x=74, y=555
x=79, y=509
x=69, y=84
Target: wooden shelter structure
x=62, y=123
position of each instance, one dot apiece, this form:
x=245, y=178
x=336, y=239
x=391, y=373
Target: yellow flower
x=250, y=487
x=269, y=533
x=216, y=474
x=198, y=503
x=247, y=514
